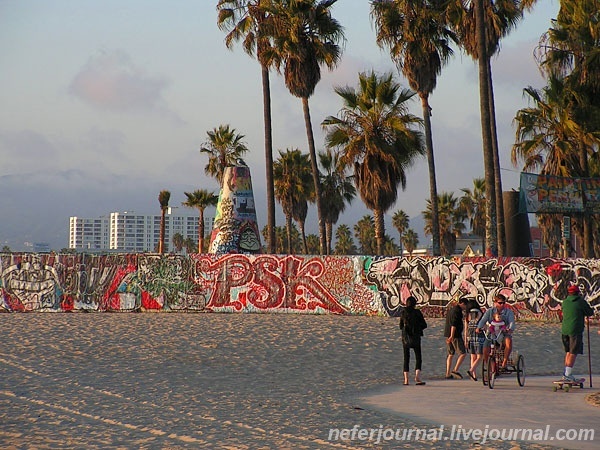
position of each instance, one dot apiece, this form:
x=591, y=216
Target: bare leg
x=449, y=365
x=507, y=350
x=475, y=360
x=459, y=361
x=570, y=359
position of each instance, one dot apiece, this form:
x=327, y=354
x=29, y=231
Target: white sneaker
x=570, y=378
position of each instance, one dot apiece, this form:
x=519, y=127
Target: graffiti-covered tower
x=235, y=229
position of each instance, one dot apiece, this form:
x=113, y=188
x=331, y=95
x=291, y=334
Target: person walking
x=475, y=340
x=412, y=324
x=453, y=332
x=574, y=311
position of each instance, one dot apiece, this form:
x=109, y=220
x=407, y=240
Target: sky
x=103, y=104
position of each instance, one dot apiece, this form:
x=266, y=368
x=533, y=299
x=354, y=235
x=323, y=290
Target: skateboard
x=568, y=384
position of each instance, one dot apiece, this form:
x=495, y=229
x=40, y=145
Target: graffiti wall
x=287, y=284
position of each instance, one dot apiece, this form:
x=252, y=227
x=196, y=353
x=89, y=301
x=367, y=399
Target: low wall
x=287, y=283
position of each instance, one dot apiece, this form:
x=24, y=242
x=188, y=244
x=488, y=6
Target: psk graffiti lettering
x=287, y=283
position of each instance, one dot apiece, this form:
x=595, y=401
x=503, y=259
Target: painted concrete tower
x=235, y=229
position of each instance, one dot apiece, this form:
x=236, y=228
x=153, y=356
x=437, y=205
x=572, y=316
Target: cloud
x=26, y=148
x=105, y=143
x=111, y=81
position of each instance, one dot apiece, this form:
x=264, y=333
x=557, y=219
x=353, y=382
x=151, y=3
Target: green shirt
x=574, y=309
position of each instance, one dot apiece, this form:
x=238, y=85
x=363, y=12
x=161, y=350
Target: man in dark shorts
x=574, y=310
x=453, y=332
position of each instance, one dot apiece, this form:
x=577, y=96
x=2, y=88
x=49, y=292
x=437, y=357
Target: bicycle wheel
x=521, y=371
x=484, y=373
x=492, y=367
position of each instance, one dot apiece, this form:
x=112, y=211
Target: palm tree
x=242, y=19
x=305, y=36
x=163, y=200
x=337, y=190
x=178, y=241
x=344, y=244
x=481, y=24
x=549, y=138
x=400, y=221
x=299, y=213
x=450, y=222
x=410, y=240
x=419, y=42
x=569, y=51
x=312, y=244
x=224, y=146
x=375, y=134
x=365, y=235
x=292, y=177
x=200, y=199
x=189, y=245
x=472, y=203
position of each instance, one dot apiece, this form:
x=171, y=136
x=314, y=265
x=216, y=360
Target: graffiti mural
x=287, y=283
x=235, y=228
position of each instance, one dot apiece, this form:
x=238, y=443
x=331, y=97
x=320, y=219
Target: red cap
x=573, y=289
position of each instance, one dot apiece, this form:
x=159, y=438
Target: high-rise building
x=131, y=232
x=88, y=234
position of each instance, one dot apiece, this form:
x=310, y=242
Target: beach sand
x=235, y=381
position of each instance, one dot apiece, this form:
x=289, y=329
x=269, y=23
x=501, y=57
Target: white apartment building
x=88, y=234
x=130, y=232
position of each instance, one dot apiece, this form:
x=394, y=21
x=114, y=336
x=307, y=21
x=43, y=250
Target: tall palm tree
x=242, y=19
x=200, y=199
x=481, y=24
x=472, y=204
x=292, y=177
x=375, y=134
x=569, y=50
x=410, y=240
x=419, y=40
x=337, y=190
x=400, y=221
x=163, y=200
x=306, y=36
x=224, y=146
x=344, y=244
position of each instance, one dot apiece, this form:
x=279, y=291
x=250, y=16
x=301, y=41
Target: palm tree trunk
x=304, y=243
x=433, y=195
x=269, y=159
x=161, y=237
x=588, y=240
x=491, y=236
x=328, y=232
x=379, y=229
x=201, y=232
x=497, y=174
x=315, y=170
x=288, y=229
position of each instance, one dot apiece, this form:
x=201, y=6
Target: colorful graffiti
x=289, y=284
x=235, y=229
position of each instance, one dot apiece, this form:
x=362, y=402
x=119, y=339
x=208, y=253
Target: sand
x=235, y=381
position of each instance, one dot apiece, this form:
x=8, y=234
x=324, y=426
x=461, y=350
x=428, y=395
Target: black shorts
x=457, y=345
x=573, y=344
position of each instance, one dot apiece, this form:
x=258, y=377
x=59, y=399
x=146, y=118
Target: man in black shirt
x=453, y=332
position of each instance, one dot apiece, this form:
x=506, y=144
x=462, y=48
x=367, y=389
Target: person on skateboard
x=574, y=311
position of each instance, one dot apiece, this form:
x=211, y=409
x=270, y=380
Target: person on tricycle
x=508, y=317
